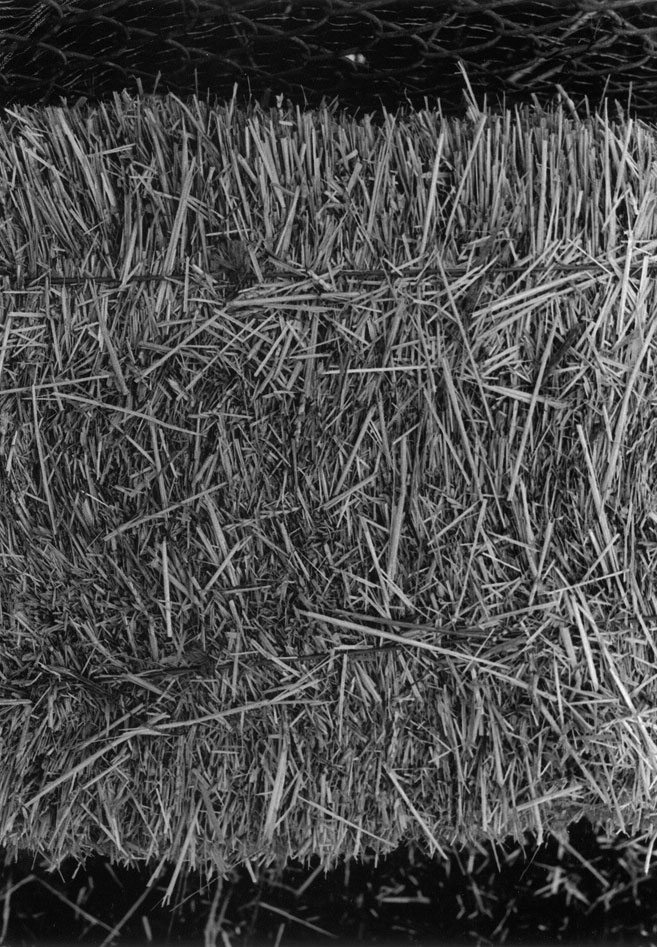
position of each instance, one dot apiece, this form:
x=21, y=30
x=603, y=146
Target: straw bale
x=327, y=481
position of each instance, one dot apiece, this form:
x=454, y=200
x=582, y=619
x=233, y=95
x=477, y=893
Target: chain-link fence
x=365, y=53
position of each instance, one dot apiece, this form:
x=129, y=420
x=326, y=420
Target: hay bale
x=327, y=480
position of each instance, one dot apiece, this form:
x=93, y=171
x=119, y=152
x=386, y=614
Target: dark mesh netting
x=363, y=53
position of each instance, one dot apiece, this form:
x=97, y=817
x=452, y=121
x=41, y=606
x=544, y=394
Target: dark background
x=400, y=52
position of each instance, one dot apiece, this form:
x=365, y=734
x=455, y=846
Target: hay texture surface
x=327, y=468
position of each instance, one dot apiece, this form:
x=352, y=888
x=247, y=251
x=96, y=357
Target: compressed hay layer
x=327, y=482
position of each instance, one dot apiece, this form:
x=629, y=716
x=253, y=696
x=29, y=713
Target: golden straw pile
x=327, y=473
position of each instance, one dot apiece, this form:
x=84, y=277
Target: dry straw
x=327, y=479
